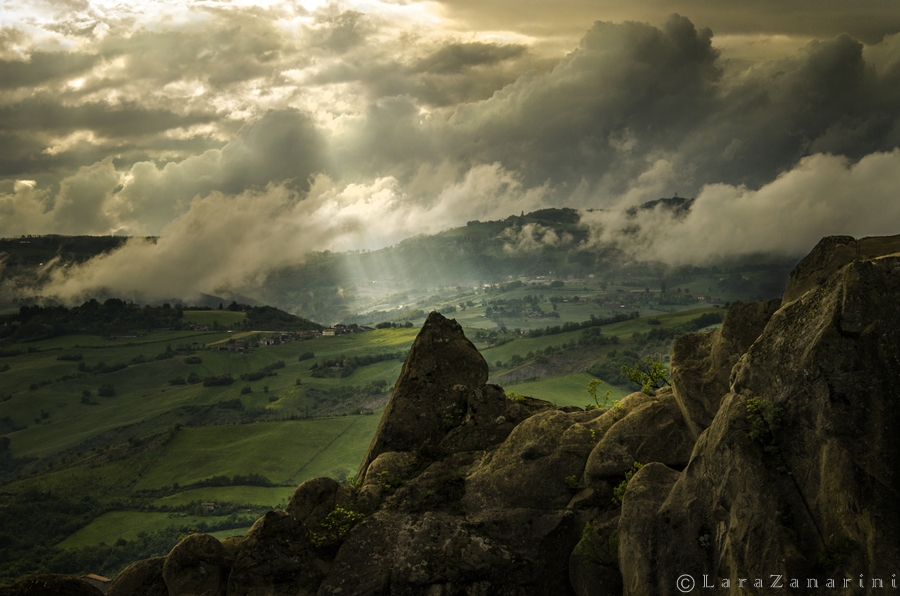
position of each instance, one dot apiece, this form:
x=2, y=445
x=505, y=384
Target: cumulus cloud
x=822, y=195
x=283, y=146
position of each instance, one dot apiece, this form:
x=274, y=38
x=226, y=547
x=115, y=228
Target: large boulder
x=498, y=551
x=276, y=559
x=315, y=499
x=143, y=578
x=196, y=566
x=530, y=468
x=647, y=490
x=644, y=429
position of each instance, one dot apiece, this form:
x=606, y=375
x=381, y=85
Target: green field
x=568, y=390
x=265, y=496
x=145, y=403
x=109, y=527
x=284, y=452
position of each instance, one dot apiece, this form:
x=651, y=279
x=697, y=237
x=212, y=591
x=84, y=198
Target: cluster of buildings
x=344, y=329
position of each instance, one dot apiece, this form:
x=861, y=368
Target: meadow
x=148, y=453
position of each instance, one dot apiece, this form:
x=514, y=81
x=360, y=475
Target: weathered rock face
x=642, y=429
x=702, y=362
x=805, y=483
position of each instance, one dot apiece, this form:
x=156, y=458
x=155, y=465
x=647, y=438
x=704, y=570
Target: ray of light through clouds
x=246, y=134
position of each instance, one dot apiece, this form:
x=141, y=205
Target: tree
x=598, y=401
x=649, y=374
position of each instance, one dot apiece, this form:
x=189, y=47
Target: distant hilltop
x=772, y=453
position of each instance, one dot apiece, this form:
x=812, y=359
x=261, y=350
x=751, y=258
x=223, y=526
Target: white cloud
x=823, y=195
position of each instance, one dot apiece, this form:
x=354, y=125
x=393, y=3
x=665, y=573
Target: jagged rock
x=814, y=492
x=529, y=469
x=432, y=394
x=51, y=585
x=651, y=429
x=275, y=559
x=829, y=255
x=196, y=566
x=702, y=362
x=143, y=578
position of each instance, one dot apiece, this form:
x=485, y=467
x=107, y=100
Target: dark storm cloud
x=451, y=74
x=229, y=48
x=126, y=119
x=868, y=20
x=827, y=100
x=631, y=80
x=458, y=57
x=284, y=145
x=36, y=135
x=42, y=67
x=632, y=95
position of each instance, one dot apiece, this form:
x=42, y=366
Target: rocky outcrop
x=830, y=255
x=774, y=453
x=640, y=429
x=435, y=390
x=797, y=473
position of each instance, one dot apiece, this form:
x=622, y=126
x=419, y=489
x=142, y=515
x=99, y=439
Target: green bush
x=649, y=374
x=619, y=491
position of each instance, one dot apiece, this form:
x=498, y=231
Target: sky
x=246, y=134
